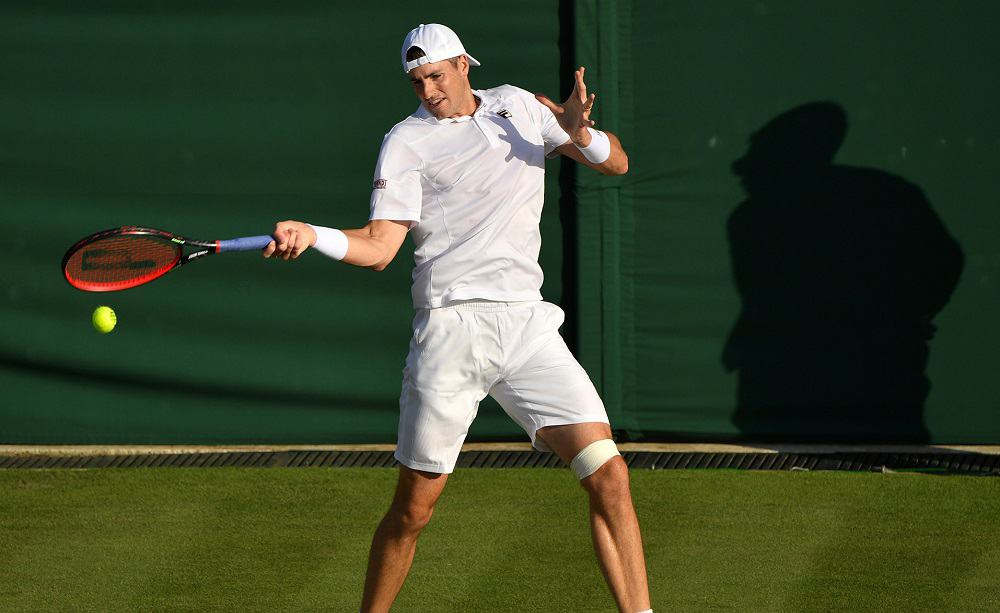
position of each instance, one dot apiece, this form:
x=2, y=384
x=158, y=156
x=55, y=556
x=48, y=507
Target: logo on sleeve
x=380, y=183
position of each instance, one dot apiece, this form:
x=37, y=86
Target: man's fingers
x=289, y=245
x=580, y=86
x=280, y=238
x=291, y=239
x=301, y=244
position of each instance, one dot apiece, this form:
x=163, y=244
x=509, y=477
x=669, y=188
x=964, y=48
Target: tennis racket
x=122, y=258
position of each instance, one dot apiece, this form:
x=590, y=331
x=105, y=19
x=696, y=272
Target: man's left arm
x=601, y=151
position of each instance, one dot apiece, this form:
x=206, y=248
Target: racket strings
x=121, y=261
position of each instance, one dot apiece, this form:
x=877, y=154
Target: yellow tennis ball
x=104, y=319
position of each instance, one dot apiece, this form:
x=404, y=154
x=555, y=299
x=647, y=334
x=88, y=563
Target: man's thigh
x=567, y=440
x=417, y=489
x=441, y=391
x=549, y=388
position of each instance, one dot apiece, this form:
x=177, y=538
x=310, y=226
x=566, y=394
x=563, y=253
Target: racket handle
x=246, y=243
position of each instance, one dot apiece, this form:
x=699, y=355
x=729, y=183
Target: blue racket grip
x=246, y=243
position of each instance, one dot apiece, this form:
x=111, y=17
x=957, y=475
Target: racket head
x=121, y=258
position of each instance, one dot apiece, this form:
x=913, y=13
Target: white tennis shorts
x=509, y=350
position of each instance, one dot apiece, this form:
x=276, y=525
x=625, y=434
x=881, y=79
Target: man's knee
x=409, y=518
x=412, y=506
x=592, y=457
x=610, y=483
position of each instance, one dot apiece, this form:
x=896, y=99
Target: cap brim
x=420, y=61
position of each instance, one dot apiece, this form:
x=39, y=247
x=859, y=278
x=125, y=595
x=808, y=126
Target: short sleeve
x=396, y=192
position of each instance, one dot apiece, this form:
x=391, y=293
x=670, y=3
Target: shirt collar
x=486, y=103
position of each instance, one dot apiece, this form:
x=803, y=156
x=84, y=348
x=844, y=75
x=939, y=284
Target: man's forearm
x=368, y=250
x=373, y=246
x=615, y=164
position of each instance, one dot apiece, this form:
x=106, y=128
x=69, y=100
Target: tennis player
x=464, y=175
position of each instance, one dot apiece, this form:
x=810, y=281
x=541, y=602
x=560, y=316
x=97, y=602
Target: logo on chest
x=504, y=113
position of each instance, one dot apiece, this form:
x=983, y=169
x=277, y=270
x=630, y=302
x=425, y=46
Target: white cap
x=438, y=42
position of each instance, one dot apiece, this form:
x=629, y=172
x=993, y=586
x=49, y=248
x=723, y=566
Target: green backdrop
x=836, y=278
x=216, y=121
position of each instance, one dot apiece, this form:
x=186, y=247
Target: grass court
x=244, y=539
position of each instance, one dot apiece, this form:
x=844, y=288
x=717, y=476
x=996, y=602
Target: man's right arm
x=373, y=246
x=395, y=202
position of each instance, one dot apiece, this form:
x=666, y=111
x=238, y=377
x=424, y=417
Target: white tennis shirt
x=472, y=188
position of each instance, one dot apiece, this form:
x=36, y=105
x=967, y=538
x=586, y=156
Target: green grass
x=501, y=540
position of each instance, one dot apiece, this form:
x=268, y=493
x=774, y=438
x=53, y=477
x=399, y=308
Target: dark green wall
x=837, y=266
x=217, y=121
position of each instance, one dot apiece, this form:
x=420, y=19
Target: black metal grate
x=964, y=462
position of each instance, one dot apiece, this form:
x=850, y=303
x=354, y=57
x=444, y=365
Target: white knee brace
x=592, y=457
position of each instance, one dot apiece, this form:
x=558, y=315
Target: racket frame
x=204, y=248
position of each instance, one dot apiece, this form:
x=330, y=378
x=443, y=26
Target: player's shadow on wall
x=840, y=271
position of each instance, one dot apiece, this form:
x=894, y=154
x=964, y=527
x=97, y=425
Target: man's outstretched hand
x=573, y=115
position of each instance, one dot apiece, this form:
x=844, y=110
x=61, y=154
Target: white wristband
x=599, y=149
x=330, y=242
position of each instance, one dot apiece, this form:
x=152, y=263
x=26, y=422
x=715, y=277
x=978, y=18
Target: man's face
x=443, y=87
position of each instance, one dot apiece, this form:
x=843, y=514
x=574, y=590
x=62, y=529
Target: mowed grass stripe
x=220, y=538
x=501, y=540
x=889, y=575
x=825, y=541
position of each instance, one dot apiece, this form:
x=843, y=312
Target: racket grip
x=246, y=243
